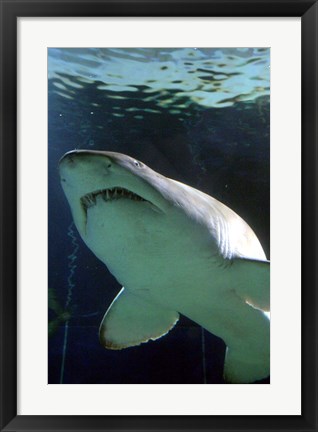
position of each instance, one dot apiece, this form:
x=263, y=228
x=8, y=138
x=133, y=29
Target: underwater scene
x=165, y=191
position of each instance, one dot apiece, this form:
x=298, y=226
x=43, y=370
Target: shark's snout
x=87, y=175
x=71, y=158
x=80, y=158
x=67, y=158
x=84, y=167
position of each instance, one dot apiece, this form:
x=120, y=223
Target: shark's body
x=175, y=250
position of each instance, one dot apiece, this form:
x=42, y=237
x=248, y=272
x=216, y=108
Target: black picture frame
x=10, y=11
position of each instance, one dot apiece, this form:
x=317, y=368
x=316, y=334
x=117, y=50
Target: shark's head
x=87, y=176
x=136, y=194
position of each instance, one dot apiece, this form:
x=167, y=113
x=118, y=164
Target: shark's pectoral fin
x=131, y=320
x=253, y=282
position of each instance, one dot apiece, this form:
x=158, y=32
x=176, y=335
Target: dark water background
x=219, y=146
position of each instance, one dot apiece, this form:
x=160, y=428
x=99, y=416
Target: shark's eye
x=137, y=164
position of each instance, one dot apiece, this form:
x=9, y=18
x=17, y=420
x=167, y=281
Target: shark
x=174, y=250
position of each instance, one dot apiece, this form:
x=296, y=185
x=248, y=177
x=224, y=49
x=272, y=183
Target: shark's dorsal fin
x=131, y=320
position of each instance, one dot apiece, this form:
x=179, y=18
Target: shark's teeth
x=113, y=194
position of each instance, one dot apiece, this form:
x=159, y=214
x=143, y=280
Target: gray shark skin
x=175, y=250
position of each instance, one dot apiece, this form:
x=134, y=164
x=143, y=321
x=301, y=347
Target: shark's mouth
x=108, y=195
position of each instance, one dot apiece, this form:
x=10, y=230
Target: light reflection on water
x=170, y=78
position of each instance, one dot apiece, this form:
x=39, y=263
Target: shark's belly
x=172, y=263
x=148, y=251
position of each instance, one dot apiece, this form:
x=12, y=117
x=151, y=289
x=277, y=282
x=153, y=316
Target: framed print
x=158, y=211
